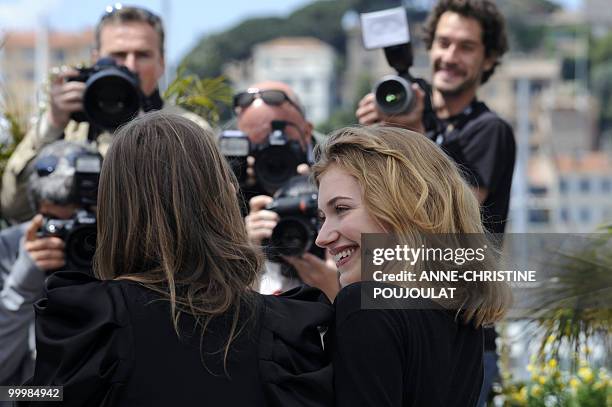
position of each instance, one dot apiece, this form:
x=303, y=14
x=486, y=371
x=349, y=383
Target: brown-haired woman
x=387, y=180
x=172, y=320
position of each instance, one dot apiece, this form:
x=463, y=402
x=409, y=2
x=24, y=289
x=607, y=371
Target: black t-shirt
x=406, y=357
x=483, y=146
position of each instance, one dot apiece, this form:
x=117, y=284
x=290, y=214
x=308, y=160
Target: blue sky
x=186, y=21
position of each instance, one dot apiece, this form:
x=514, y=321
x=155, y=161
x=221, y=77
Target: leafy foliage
x=13, y=125
x=320, y=20
x=203, y=96
x=575, y=310
x=549, y=385
x=323, y=20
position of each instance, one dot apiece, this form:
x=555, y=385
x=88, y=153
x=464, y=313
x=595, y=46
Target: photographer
x=466, y=40
x=256, y=109
x=128, y=37
x=26, y=258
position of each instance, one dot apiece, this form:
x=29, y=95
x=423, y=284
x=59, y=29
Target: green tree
x=203, y=96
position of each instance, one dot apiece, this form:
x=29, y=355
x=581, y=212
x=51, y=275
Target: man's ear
x=308, y=128
x=163, y=62
x=489, y=62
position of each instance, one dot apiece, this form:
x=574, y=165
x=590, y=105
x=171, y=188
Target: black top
x=403, y=357
x=112, y=343
x=483, y=146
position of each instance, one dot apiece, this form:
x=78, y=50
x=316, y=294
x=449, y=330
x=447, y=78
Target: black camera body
x=296, y=229
x=79, y=235
x=276, y=159
x=112, y=94
x=79, y=232
x=393, y=93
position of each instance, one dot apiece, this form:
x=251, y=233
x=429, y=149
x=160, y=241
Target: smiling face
x=345, y=219
x=458, y=54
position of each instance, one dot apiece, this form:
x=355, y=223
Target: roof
x=298, y=42
x=27, y=39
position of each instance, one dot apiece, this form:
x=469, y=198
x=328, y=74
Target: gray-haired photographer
x=89, y=103
x=62, y=191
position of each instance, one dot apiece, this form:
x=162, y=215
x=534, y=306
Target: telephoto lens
x=112, y=94
x=394, y=95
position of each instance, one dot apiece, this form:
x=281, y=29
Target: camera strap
x=451, y=128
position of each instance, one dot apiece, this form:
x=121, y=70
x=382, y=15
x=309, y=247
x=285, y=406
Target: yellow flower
x=536, y=390
x=530, y=367
x=542, y=380
x=552, y=363
x=522, y=395
x=574, y=383
x=585, y=374
x=550, y=339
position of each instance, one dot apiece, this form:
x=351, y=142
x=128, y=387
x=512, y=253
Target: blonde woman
x=388, y=180
x=171, y=319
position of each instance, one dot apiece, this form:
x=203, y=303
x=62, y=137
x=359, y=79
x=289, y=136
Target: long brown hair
x=168, y=218
x=412, y=188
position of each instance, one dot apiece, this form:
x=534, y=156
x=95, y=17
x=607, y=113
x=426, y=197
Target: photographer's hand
x=64, y=97
x=318, y=273
x=260, y=222
x=47, y=252
x=368, y=113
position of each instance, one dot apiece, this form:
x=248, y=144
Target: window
x=28, y=54
x=539, y=216
x=606, y=185
x=564, y=215
x=584, y=185
x=538, y=190
x=585, y=215
x=563, y=185
x=59, y=55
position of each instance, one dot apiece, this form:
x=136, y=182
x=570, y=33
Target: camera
x=276, y=159
x=79, y=235
x=79, y=232
x=112, y=94
x=388, y=29
x=297, y=228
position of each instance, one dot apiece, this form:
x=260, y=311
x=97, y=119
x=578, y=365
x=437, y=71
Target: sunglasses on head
x=46, y=165
x=272, y=97
x=117, y=7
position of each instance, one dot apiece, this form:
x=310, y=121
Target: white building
x=304, y=63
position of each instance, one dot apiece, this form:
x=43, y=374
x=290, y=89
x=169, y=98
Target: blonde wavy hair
x=412, y=188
